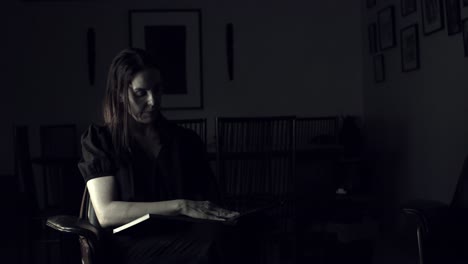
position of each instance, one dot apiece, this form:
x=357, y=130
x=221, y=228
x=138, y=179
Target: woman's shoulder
x=97, y=135
x=98, y=155
x=96, y=129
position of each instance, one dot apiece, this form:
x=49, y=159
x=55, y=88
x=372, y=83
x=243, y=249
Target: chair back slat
x=61, y=182
x=58, y=141
x=23, y=166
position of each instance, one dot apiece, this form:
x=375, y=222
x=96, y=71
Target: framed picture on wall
x=409, y=48
x=465, y=36
x=370, y=3
x=432, y=16
x=379, y=68
x=386, y=20
x=174, y=38
x=372, y=34
x=453, y=11
x=408, y=7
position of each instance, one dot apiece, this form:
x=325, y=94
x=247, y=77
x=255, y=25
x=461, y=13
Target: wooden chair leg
x=420, y=245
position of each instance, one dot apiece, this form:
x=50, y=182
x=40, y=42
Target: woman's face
x=144, y=95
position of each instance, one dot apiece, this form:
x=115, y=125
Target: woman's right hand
x=205, y=210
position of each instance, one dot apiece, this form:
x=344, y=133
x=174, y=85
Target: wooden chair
x=59, y=186
x=86, y=227
x=37, y=241
x=439, y=228
x=23, y=173
x=23, y=167
x=61, y=182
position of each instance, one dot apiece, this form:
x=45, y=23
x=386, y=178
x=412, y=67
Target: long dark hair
x=123, y=69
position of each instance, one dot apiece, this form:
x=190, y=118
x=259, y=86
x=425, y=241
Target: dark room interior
x=362, y=151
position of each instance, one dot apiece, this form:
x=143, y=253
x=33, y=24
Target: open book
x=161, y=221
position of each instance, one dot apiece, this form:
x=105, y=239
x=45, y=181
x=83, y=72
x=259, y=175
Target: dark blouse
x=181, y=170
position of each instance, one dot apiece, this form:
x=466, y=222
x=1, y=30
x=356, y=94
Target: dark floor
x=381, y=250
x=363, y=242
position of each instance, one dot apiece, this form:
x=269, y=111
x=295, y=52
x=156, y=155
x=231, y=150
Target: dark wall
x=416, y=121
x=302, y=58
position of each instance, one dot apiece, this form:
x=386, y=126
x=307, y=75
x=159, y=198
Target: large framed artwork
x=453, y=12
x=408, y=7
x=432, y=16
x=379, y=68
x=409, y=48
x=174, y=38
x=465, y=36
x=386, y=20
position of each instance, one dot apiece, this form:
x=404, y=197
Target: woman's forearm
x=118, y=212
x=112, y=212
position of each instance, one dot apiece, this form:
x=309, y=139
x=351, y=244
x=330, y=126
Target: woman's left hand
x=206, y=210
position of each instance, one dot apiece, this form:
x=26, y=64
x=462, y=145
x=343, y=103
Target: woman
x=139, y=163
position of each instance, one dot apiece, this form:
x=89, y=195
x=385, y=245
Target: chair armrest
x=429, y=215
x=74, y=225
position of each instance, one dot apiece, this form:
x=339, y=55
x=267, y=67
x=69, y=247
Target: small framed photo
x=379, y=68
x=372, y=34
x=453, y=11
x=409, y=48
x=174, y=38
x=432, y=16
x=370, y=3
x=408, y=7
x=465, y=36
x=386, y=20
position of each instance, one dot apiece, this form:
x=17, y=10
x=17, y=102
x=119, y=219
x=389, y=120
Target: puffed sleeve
x=97, y=158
